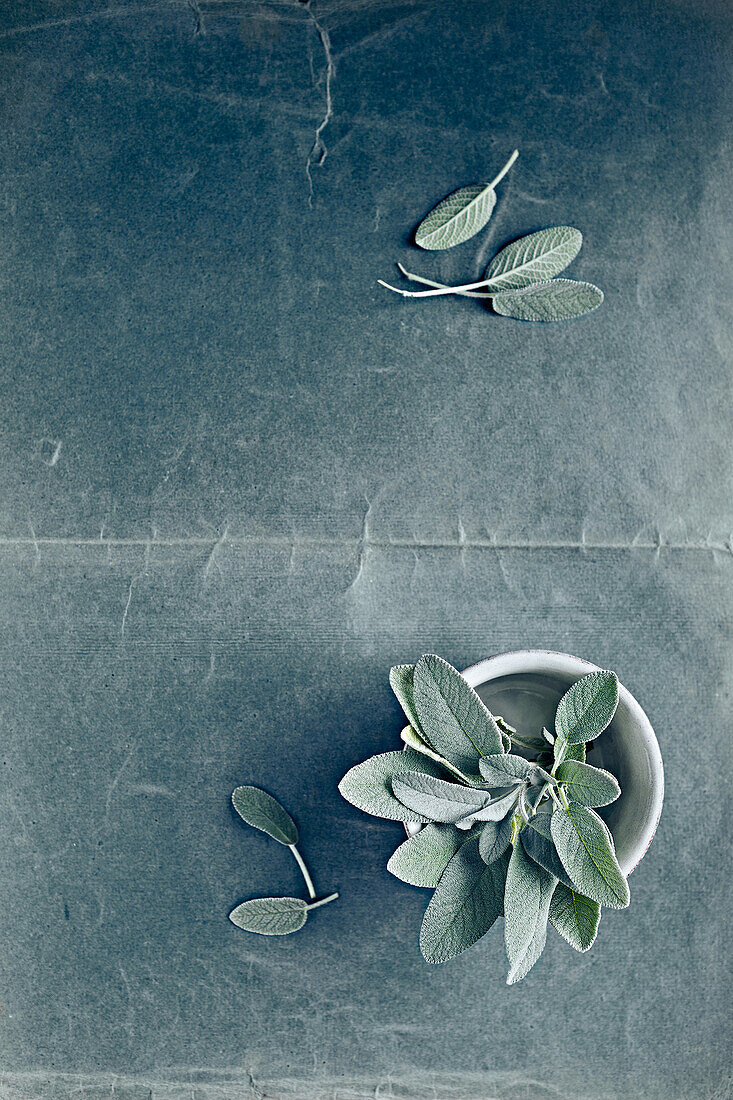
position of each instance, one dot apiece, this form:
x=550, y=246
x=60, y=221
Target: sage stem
x=441, y=286
x=322, y=901
x=504, y=170
x=304, y=870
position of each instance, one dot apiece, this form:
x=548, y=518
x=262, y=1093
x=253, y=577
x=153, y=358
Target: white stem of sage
x=304, y=870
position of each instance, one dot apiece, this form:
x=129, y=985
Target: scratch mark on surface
x=211, y=560
x=319, y=151
x=36, y=547
x=50, y=450
x=115, y=783
x=377, y=218
x=199, y=28
x=133, y=582
x=362, y=545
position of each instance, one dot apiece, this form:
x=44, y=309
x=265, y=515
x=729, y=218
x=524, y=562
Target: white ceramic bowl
x=525, y=687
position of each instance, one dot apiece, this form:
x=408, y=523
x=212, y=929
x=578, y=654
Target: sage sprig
x=273, y=916
x=507, y=820
x=521, y=280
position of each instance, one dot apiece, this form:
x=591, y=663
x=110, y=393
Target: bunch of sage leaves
x=282, y=915
x=501, y=831
x=521, y=280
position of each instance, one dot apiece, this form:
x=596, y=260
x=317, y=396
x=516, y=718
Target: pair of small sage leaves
x=575, y=917
x=461, y=215
x=586, y=785
x=527, y=896
x=274, y=916
x=467, y=901
x=495, y=838
x=585, y=848
x=414, y=741
x=499, y=770
x=453, y=719
x=368, y=785
x=502, y=803
x=421, y=859
x=436, y=799
x=536, y=839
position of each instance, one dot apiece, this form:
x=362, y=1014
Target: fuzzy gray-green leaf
x=495, y=809
x=413, y=739
x=368, y=785
x=527, y=897
x=455, y=721
x=537, y=842
x=502, y=769
x=421, y=859
x=557, y=300
x=467, y=901
x=575, y=917
x=400, y=678
x=534, y=258
x=587, y=708
x=262, y=811
x=435, y=799
x=495, y=839
x=583, y=844
x=270, y=916
x=457, y=218
x=587, y=785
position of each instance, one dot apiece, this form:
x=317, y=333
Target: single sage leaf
x=534, y=258
x=494, y=839
x=457, y=218
x=467, y=901
x=412, y=738
x=503, y=768
x=536, y=839
x=582, y=842
x=421, y=859
x=575, y=917
x=557, y=300
x=495, y=809
x=527, y=895
x=264, y=812
x=587, y=785
x=270, y=916
x=435, y=799
x=587, y=708
x=368, y=785
x=454, y=719
x=400, y=678
x=548, y=736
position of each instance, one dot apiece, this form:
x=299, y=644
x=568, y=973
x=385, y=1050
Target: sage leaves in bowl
x=521, y=280
x=507, y=822
x=273, y=916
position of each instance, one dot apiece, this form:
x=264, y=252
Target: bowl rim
x=525, y=660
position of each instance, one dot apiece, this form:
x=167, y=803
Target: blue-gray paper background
x=238, y=480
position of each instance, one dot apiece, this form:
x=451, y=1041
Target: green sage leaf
x=557, y=300
x=456, y=218
x=587, y=785
x=368, y=785
x=421, y=859
x=270, y=916
x=453, y=718
x=495, y=838
x=503, y=768
x=400, y=678
x=527, y=895
x=435, y=799
x=536, y=839
x=582, y=842
x=466, y=903
x=412, y=738
x=264, y=812
x=587, y=708
x=494, y=810
x=575, y=917
x=534, y=258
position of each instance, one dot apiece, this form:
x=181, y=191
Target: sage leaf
x=494, y=839
x=587, y=785
x=435, y=799
x=587, y=708
x=548, y=736
x=494, y=810
x=466, y=903
x=270, y=916
x=368, y=785
x=412, y=738
x=534, y=258
x=582, y=842
x=453, y=718
x=575, y=917
x=400, y=678
x=421, y=859
x=264, y=812
x=557, y=300
x=461, y=215
x=536, y=839
x=503, y=768
x=527, y=895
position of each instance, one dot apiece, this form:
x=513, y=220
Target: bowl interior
x=627, y=748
